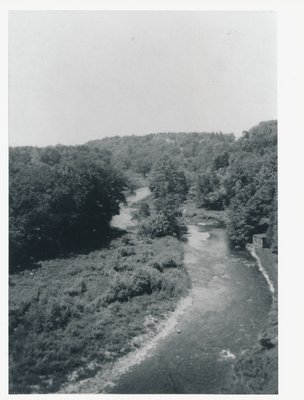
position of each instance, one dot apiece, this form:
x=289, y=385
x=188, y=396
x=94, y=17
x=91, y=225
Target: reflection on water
x=230, y=303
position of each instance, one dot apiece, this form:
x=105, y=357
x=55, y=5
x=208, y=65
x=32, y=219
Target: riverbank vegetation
x=61, y=199
x=222, y=173
x=78, y=314
x=169, y=189
x=257, y=370
x=81, y=291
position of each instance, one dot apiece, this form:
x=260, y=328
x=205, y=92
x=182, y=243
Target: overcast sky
x=75, y=76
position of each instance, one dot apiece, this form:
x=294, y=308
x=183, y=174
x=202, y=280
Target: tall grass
x=83, y=311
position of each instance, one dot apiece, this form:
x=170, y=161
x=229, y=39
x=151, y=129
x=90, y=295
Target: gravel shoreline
x=105, y=379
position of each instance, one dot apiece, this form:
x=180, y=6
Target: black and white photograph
x=143, y=202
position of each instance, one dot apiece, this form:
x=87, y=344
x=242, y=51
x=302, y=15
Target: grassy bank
x=79, y=313
x=257, y=370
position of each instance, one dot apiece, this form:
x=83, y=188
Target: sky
x=76, y=76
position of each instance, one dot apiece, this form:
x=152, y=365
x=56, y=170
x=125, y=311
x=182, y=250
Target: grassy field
x=76, y=314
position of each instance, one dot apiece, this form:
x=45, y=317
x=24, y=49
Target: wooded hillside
x=63, y=197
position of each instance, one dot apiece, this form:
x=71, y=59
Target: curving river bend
x=230, y=304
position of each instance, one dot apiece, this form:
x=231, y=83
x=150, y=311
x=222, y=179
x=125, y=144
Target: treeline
x=60, y=198
x=244, y=182
x=63, y=197
x=190, y=151
x=222, y=173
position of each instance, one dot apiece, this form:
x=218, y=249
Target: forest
x=69, y=269
x=63, y=197
x=221, y=173
x=60, y=198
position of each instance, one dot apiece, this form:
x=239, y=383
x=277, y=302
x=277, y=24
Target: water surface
x=124, y=219
x=230, y=303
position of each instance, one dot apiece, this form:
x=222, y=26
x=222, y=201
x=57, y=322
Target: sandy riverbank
x=144, y=344
x=254, y=370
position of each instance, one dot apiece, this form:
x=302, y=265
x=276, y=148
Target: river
x=230, y=304
x=124, y=219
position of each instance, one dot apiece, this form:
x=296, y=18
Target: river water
x=124, y=219
x=230, y=304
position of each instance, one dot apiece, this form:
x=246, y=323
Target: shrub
x=59, y=323
x=162, y=262
x=143, y=280
x=127, y=240
x=161, y=225
x=77, y=289
x=174, y=283
x=127, y=251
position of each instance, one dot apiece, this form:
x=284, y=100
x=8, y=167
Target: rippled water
x=230, y=303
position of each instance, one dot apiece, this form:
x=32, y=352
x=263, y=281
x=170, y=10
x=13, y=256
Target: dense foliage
x=252, y=185
x=169, y=189
x=190, y=151
x=77, y=314
x=221, y=173
x=60, y=198
x=244, y=181
x=72, y=311
x=63, y=196
x=168, y=180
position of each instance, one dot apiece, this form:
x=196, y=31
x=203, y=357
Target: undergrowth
x=73, y=313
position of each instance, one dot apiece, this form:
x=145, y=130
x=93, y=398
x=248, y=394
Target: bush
x=127, y=285
x=155, y=226
x=127, y=251
x=174, y=284
x=60, y=323
x=127, y=240
x=161, y=225
x=163, y=262
x=77, y=289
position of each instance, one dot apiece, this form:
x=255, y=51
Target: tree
x=168, y=180
x=252, y=185
x=58, y=206
x=169, y=188
x=211, y=193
